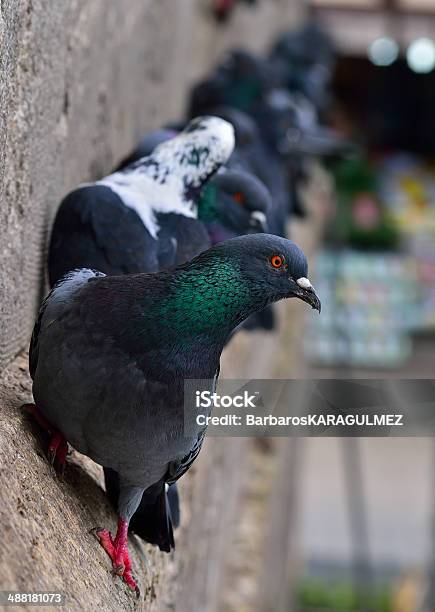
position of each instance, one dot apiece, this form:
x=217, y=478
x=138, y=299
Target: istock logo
x=207, y=399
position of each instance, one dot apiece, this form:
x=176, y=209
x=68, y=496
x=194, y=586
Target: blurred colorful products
x=370, y=305
x=407, y=184
x=379, y=287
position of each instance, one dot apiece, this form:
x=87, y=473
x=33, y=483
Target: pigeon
x=109, y=356
x=239, y=81
x=254, y=155
x=291, y=133
x=246, y=133
x=234, y=203
x=306, y=60
x=244, y=92
x=287, y=125
x=144, y=217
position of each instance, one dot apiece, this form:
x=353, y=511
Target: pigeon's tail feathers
x=174, y=504
x=152, y=521
x=111, y=481
x=53, y=306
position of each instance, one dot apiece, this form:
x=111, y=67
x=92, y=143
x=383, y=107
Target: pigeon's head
x=234, y=203
x=210, y=133
x=278, y=117
x=306, y=59
x=305, y=47
x=274, y=265
x=215, y=292
x=195, y=154
x=268, y=268
x=238, y=81
x=250, y=76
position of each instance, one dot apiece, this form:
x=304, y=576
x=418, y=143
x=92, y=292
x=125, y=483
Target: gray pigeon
x=109, y=356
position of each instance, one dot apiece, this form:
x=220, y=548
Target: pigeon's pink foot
x=118, y=552
x=58, y=447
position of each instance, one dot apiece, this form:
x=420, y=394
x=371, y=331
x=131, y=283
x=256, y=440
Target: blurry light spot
x=383, y=51
x=421, y=55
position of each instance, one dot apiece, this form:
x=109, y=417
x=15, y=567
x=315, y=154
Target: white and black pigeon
x=144, y=217
x=234, y=202
x=109, y=356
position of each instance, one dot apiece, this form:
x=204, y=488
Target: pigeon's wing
x=94, y=229
x=52, y=306
x=167, y=250
x=177, y=469
x=34, y=341
x=192, y=239
x=167, y=256
x=181, y=239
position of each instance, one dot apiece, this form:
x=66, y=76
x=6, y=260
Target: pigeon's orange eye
x=239, y=197
x=277, y=261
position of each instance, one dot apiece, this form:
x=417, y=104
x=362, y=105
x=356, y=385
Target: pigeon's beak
x=305, y=292
x=258, y=222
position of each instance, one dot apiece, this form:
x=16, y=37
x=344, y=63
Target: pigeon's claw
x=117, y=550
x=57, y=451
x=58, y=447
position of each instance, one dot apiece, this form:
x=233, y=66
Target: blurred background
x=337, y=103
x=355, y=520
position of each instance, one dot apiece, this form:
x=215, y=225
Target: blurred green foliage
x=314, y=595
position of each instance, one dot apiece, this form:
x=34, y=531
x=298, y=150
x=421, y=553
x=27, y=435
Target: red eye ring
x=239, y=197
x=277, y=261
